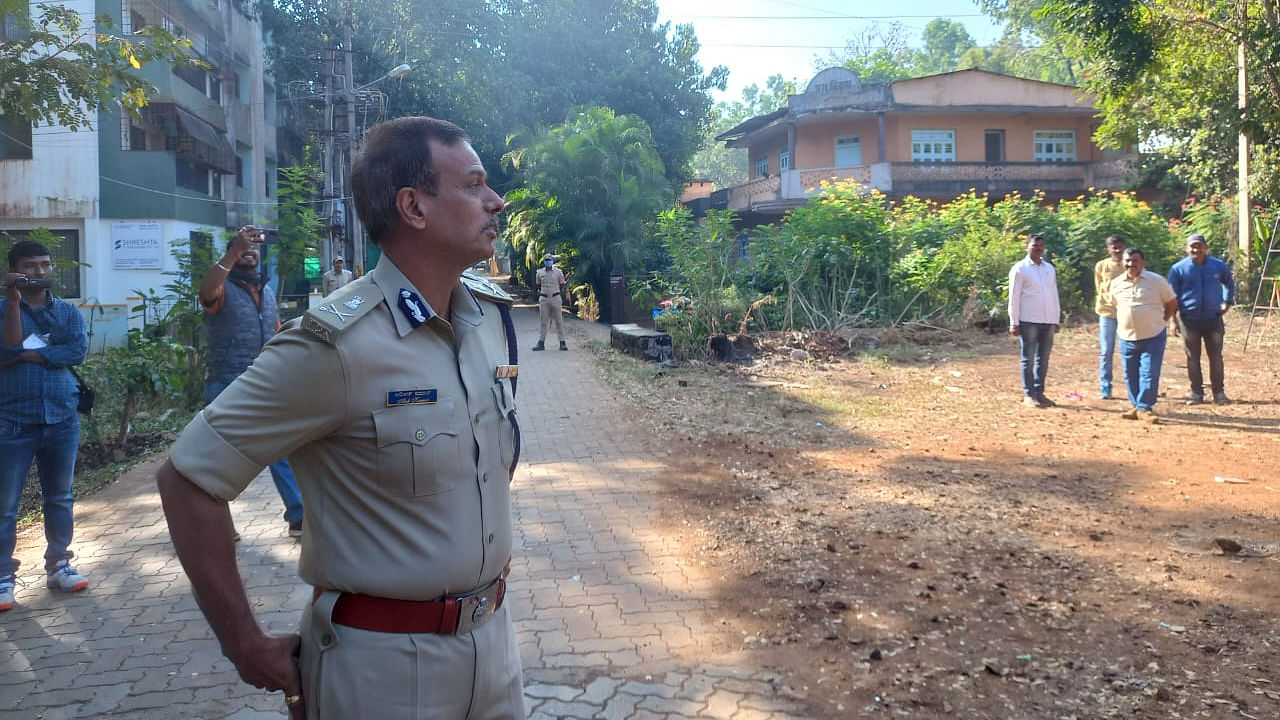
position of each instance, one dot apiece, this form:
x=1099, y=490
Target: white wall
x=104, y=284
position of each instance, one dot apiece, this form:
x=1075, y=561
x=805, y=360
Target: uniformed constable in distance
x=394, y=400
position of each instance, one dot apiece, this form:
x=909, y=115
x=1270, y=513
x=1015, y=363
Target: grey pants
x=350, y=673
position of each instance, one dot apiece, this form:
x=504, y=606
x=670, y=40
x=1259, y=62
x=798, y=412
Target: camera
x=23, y=281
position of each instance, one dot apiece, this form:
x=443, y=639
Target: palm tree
x=590, y=187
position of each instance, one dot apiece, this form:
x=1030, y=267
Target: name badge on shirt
x=411, y=397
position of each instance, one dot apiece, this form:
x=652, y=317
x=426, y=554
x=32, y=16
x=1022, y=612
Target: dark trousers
x=1035, y=341
x=1209, y=332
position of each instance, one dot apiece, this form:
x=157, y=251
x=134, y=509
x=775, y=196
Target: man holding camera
x=41, y=339
x=240, y=317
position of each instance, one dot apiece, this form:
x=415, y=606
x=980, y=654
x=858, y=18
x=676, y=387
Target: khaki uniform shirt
x=334, y=282
x=1140, y=305
x=549, y=281
x=1104, y=272
x=402, y=438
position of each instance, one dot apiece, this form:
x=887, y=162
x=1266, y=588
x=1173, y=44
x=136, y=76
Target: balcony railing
x=929, y=180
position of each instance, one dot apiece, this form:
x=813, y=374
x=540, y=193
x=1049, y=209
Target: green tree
x=945, y=42
x=724, y=166
x=54, y=70
x=592, y=184
x=300, y=226
x=877, y=54
x=495, y=65
x=1163, y=72
x=1030, y=47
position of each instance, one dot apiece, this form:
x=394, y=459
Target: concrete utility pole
x=354, y=231
x=1243, y=220
x=330, y=164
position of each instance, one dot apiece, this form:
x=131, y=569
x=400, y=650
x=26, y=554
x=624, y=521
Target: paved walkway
x=612, y=623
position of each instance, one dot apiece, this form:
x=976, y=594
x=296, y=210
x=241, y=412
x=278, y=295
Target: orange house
x=934, y=137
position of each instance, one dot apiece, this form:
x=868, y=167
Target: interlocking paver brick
x=601, y=595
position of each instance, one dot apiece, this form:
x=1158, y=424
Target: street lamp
x=394, y=73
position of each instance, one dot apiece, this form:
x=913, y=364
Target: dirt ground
x=898, y=537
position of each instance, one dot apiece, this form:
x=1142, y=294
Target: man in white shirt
x=336, y=279
x=1034, y=317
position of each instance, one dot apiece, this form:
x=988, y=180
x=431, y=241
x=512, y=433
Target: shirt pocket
x=420, y=451
x=508, y=426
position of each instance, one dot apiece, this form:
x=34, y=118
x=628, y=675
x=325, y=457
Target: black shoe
x=235, y=534
x=563, y=346
x=539, y=346
x=1045, y=402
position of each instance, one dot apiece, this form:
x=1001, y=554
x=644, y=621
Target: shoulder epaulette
x=486, y=288
x=341, y=310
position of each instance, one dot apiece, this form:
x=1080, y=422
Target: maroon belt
x=452, y=615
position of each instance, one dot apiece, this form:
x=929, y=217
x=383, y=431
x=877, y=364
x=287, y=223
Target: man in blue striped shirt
x=41, y=339
x=1205, y=290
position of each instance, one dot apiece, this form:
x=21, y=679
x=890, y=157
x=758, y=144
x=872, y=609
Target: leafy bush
x=848, y=258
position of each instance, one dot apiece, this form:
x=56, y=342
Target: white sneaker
x=65, y=578
x=6, y=593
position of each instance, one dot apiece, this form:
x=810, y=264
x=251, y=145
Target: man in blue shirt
x=1205, y=290
x=41, y=339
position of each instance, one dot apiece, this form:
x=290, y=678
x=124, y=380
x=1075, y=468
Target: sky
x=759, y=38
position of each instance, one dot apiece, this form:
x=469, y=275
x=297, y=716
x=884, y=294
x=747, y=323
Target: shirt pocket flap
x=413, y=424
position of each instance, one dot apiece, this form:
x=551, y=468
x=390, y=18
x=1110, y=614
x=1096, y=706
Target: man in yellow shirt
x=1144, y=305
x=1106, y=270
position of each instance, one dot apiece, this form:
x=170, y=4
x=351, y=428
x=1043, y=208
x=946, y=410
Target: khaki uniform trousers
x=549, y=312
x=350, y=673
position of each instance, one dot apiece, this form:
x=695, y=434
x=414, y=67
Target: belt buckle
x=474, y=610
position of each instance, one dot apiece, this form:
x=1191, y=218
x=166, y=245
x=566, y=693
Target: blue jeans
x=1035, y=341
x=281, y=472
x=1142, y=362
x=1209, y=332
x=1106, y=349
x=53, y=447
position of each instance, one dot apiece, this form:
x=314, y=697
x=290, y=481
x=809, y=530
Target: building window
x=933, y=146
x=66, y=259
x=191, y=75
x=13, y=26
x=239, y=172
x=762, y=166
x=133, y=136
x=192, y=177
x=1054, y=145
x=848, y=151
x=15, y=139
x=784, y=160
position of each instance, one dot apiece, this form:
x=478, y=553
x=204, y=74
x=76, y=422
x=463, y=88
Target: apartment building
x=199, y=159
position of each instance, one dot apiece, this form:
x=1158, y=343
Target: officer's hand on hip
x=270, y=662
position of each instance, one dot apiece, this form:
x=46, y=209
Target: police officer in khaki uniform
x=550, y=282
x=404, y=461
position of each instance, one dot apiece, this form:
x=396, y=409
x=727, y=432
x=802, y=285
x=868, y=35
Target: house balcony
x=779, y=193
